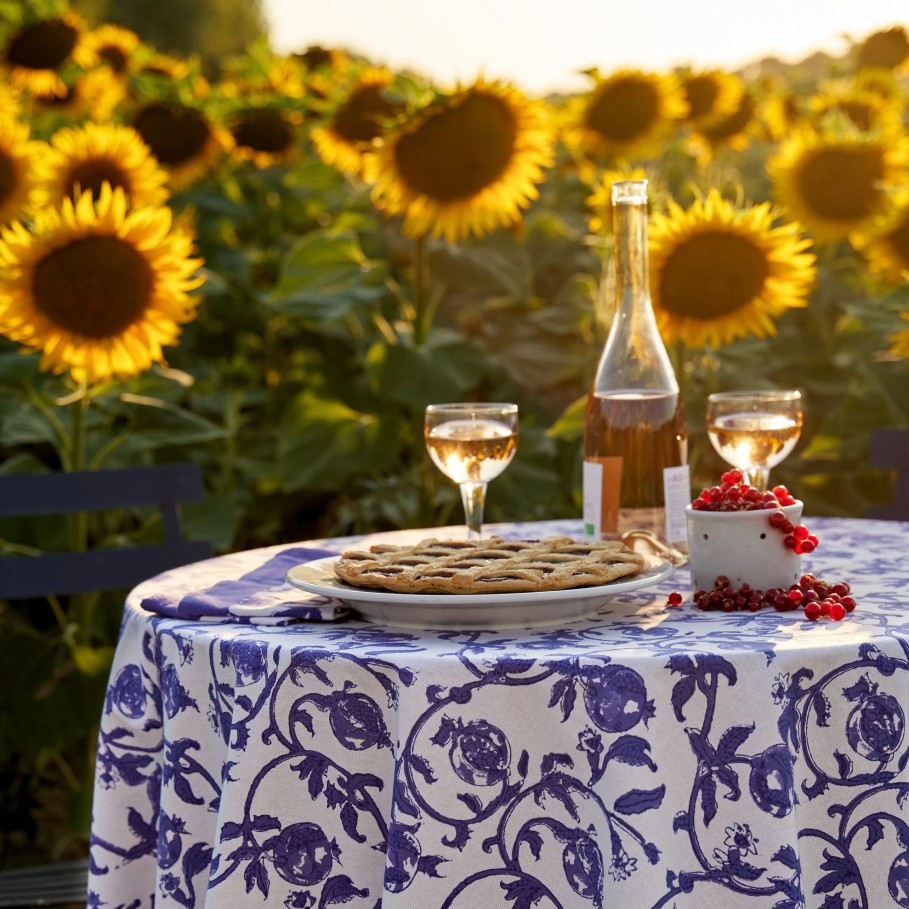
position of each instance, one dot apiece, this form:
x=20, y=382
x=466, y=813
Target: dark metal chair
x=59, y=573
x=889, y=450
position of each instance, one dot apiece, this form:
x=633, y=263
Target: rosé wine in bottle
x=635, y=440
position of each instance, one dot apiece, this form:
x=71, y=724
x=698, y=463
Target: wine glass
x=472, y=444
x=754, y=430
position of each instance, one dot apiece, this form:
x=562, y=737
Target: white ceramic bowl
x=742, y=546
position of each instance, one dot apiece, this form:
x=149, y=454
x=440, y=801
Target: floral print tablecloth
x=646, y=757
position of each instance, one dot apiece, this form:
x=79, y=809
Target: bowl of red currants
x=750, y=536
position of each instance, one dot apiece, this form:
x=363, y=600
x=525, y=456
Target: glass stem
x=474, y=497
x=759, y=477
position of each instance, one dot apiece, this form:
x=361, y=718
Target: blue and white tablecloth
x=644, y=758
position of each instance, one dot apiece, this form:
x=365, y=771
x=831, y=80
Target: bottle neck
x=631, y=261
x=634, y=357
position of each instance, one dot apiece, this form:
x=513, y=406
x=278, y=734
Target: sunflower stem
x=63, y=436
x=421, y=310
x=78, y=522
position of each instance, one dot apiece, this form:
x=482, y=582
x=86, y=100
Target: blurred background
x=298, y=224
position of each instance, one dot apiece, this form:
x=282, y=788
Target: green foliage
x=211, y=29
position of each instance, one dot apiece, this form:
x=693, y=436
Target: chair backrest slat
x=98, y=490
x=889, y=450
x=57, y=573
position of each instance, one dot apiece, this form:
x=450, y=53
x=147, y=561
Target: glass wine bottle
x=635, y=442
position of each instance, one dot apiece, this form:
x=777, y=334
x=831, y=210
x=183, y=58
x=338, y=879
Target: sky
x=542, y=45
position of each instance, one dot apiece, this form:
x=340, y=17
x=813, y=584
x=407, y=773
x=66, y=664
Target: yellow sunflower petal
x=19, y=158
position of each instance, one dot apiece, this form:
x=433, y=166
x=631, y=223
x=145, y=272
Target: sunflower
x=347, y=139
x=779, y=112
x=884, y=49
x=864, y=108
x=186, y=142
x=97, y=288
x=880, y=81
x=712, y=95
x=466, y=164
x=836, y=181
x=325, y=59
x=265, y=134
x=155, y=74
x=18, y=156
x=719, y=273
x=87, y=157
x=34, y=54
x=92, y=94
x=274, y=76
x=886, y=247
x=114, y=47
x=628, y=114
x=734, y=131
x=600, y=200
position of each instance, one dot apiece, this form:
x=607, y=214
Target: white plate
x=470, y=611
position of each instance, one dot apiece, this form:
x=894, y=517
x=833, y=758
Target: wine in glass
x=472, y=444
x=754, y=430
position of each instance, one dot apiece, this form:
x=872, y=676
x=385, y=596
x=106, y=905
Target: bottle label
x=602, y=478
x=676, y=495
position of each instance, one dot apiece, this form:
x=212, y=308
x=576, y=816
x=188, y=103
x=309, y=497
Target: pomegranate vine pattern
x=650, y=757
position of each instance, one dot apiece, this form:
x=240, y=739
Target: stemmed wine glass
x=472, y=444
x=754, y=430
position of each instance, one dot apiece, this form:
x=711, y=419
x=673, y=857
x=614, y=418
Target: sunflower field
x=273, y=271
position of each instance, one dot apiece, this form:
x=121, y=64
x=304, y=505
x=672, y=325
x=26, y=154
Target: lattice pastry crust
x=493, y=565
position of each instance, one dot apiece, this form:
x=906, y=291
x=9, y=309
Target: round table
x=645, y=757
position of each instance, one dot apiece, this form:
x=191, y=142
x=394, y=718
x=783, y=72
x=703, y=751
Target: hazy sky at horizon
x=542, y=46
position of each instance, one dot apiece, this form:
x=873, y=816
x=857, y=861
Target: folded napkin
x=259, y=597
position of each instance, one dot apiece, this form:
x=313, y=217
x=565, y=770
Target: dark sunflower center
x=8, y=177
x=701, y=92
x=859, y=112
x=95, y=287
x=885, y=49
x=314, y=57
x=712, y=275
x=263, y=130
x=359, y=119
x=623, y=110
x=42, y=45
x=174, y=133
x=841, y=183
x=734, y=123
x=114, y=57
x=93, y=174
x=459, y=151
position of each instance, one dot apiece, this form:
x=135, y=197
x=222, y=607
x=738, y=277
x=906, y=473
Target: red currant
x=812, y=611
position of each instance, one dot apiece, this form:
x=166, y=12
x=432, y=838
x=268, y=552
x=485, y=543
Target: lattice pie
x=493, y=565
